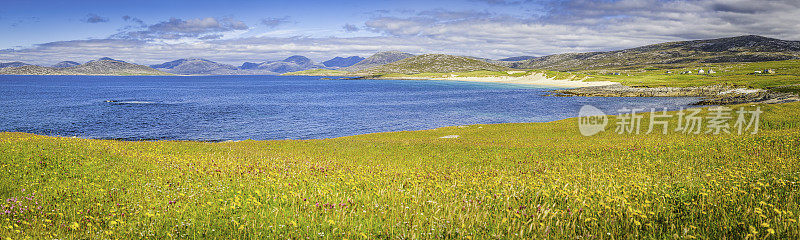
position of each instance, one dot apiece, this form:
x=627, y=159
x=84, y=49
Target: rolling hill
x=434, y=63
x=748, y=48
x=96, y=67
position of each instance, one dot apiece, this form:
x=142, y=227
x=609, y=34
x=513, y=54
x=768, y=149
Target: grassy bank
x=532, y=180
x=786, y=77
x=735, y=74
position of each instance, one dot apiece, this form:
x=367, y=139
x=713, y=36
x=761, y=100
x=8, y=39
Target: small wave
x=129, y=102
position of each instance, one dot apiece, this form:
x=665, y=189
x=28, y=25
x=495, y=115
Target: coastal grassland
x=785, y=79
x=734, y=74
x=481, y=73
x=523, y=180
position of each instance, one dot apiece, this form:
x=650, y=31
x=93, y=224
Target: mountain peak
x=290, y=64
x=66, y=64
x=105, y=59
x=13, y=64
x=340, y=62
x=754, y=38
x=190, y=66
x=300, y=60
x=378, y=59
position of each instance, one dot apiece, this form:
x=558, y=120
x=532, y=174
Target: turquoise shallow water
x=219, y=108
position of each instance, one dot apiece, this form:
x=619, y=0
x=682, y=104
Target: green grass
x=436, y=63
x=514, y=73
x=734, y=74
x=788, y=89
x=730, y=74
x=511, y=73
x=526, y=180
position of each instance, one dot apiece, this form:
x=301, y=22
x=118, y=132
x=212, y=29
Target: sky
x=232, y=32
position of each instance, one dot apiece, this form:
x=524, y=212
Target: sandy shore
x=538, y=79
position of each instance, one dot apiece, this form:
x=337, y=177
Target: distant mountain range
x=96, y=67
x=12, y=64
x=290, y=64
x=106, y=58
x=749, y=48
x=195, y=66
x=198, y=66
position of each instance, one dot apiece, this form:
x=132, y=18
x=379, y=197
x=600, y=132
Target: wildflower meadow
x=510, y=181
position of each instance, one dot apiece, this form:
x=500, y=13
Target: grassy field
x=532, y=180
x=734, y=74
x=785, y=79
x=515, y=73
x=529, y=180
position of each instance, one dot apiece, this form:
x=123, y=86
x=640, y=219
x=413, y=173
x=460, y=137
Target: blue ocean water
x=219, y=108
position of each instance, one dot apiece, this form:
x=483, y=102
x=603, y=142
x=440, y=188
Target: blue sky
x=46, y=32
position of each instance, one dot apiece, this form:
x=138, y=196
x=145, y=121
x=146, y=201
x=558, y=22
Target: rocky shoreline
x=711, y=95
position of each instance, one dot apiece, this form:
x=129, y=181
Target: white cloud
x=568, y=26
x=176, y=28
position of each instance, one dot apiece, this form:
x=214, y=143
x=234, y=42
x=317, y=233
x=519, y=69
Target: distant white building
x=701, y=71
x=711, y=71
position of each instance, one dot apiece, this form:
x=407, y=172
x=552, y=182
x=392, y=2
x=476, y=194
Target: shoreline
x=537, y=79
x=711, y=95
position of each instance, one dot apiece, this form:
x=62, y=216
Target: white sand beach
x=532, y=79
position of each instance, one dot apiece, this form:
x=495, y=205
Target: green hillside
x=734, y=49
x=434, y=63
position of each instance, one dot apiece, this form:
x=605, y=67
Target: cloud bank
x=565, y=26
x=174, y=28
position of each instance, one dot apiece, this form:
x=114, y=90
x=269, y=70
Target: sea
x=232, y=108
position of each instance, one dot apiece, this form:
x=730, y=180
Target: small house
x=701, y=71
x=769, y=71
x=711, y=71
